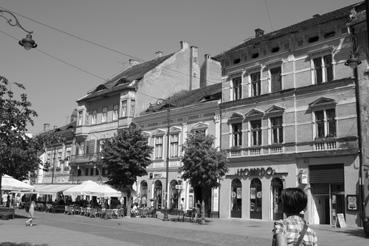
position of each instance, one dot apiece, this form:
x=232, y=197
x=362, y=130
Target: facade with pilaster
x=289, y=119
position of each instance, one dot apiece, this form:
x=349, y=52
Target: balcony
x=325, y=143
x=85, y=158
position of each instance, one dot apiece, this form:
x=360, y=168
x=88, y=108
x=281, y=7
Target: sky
x=64, y=68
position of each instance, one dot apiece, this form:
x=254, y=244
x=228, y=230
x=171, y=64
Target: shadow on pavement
x=21, y=244
x=352, y=232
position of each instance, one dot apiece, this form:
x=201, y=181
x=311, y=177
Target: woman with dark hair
x=293, y=230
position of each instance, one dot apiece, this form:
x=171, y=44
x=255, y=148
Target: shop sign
x=260, y=172
x=159, y=175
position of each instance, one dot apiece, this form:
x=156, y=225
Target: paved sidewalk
x=53, y=235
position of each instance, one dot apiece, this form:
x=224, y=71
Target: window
x=115, y=112
x=236, y=134
x=325, y=123
x=90, y=147
x=93, y=118
x=80, y=117
x=255, y=84
x=237, y=88
x=173, y=138
x=277, y=130
x=255, y=132
x=133, y=105
x=124, y=109
x=276, y=79
x=104, y=115
x=159, y=147
x=323, y=69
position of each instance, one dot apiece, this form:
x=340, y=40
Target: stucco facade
x=289, y=119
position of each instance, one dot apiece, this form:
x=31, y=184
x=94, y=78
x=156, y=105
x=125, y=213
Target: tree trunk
x=1, y=191
x=202, y=206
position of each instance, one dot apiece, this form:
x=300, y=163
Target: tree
x=126, y=157
x=203, y=164
x=18, y=152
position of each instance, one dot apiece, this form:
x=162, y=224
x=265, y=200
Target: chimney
x=133, y=62
x=46, y=127
x=158, y=54
x=184, y=45
x=259, y=32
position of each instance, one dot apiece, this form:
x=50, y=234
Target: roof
x=124, y=79
x=66, y=131
x=343, y=13
x=184, y=98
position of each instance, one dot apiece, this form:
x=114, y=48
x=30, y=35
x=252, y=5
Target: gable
x=235, y=117
x=274, y=110
x=322, y=102
x=254, y=114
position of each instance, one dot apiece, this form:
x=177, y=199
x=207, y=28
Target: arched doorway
x=276, y=188
x=236, y=198
x=143, y=192
x=158, y=189
x=173, y=195
x=255, y=199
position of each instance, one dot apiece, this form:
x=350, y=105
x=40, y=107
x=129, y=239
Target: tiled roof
x=66, y=131
x=184, y=98
x=342, y=13
x=123, y=79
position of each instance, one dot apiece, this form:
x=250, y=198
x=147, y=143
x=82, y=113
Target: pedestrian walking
x=181, y=210
x=31, y=210
x=293, y=230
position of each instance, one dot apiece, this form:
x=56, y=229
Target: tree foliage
x=18, y=152
x=203, y=164
x=126, y=157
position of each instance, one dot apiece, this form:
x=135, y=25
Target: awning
x=52, y=189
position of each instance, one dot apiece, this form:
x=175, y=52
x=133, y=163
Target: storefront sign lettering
x=260, y=172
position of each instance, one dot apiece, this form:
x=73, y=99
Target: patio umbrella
x=91, y=188
x=12, y=184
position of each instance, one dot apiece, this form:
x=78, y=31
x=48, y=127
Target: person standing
x=293, y=230
x=31, y=211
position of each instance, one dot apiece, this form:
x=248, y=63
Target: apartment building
x=289, y=119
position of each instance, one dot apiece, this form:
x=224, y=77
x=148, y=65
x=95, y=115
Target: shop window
x=255, y=84
x=323, y=69
x=236, y=199
x=255, y=199
x=276, y=188
x=158, y=194
x=237, y=88
x=143, y=193
x=173, y=195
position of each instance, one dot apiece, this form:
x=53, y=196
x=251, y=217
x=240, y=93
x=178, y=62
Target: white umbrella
x=12, y=184
x=91, y=188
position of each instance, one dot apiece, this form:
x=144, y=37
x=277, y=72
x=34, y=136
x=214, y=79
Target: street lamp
x=167, y=105
x=27, y=42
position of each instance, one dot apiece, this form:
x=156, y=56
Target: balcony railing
x=85, y=158
x=325, y=144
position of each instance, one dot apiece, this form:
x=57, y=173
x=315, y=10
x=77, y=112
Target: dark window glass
x=331, y=121
x=255, y=84
x=256, y=132
x=318, y=70
x=237, y=134
x=237, y=88
x=319, y=121
x=328, y=67
x=277, y=130
x=276, y=79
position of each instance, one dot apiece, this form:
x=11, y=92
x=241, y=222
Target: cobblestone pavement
x=60, y=229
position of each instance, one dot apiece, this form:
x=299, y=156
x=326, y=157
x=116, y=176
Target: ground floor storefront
x=251, y=189
x=151, y=192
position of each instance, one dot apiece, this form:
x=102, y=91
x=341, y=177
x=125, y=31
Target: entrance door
x=322, y=209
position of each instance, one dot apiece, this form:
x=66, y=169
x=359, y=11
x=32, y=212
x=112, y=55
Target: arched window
x=276, y=188
x=255, y=199
x=158, y=189
x=143, y=192
x=236, y=199
x=173, y=195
